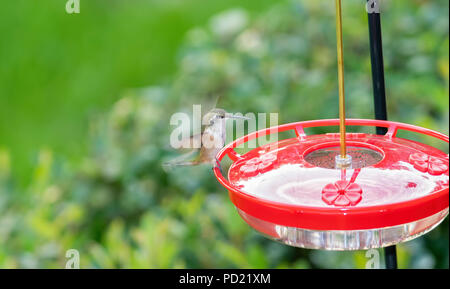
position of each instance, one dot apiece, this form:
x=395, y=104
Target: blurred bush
x=120, y=209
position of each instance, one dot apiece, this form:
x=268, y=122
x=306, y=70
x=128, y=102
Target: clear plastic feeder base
x=345, y=240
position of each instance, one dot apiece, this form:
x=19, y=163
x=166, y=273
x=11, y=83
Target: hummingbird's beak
x=230, y=115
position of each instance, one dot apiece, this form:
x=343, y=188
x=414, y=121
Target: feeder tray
x=290, y=190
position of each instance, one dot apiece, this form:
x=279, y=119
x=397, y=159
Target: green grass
x=58, y=70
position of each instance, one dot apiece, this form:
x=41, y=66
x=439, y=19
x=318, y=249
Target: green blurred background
x=85, y=101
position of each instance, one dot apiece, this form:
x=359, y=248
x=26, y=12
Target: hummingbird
x=212, y=140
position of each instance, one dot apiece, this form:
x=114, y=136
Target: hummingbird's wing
x=187, y=159
x=216, y=100
x=209, y=103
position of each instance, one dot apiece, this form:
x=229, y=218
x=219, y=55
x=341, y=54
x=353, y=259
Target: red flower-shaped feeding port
x=342, y=193
x=258, y=165
x=428, y=164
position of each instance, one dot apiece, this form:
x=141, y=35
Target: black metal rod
x=390, y=257
x=379, y=94
x=376, y=57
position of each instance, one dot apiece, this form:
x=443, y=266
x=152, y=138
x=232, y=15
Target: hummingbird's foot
x=217, y=165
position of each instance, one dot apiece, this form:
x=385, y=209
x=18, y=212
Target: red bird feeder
x=395, y=190
x=346, y=191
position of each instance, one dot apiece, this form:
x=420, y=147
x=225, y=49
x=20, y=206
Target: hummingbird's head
x=218, y=114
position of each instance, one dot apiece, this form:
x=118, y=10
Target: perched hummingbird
x=212, y=140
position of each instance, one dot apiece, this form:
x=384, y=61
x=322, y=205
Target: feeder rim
x=346, y=218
